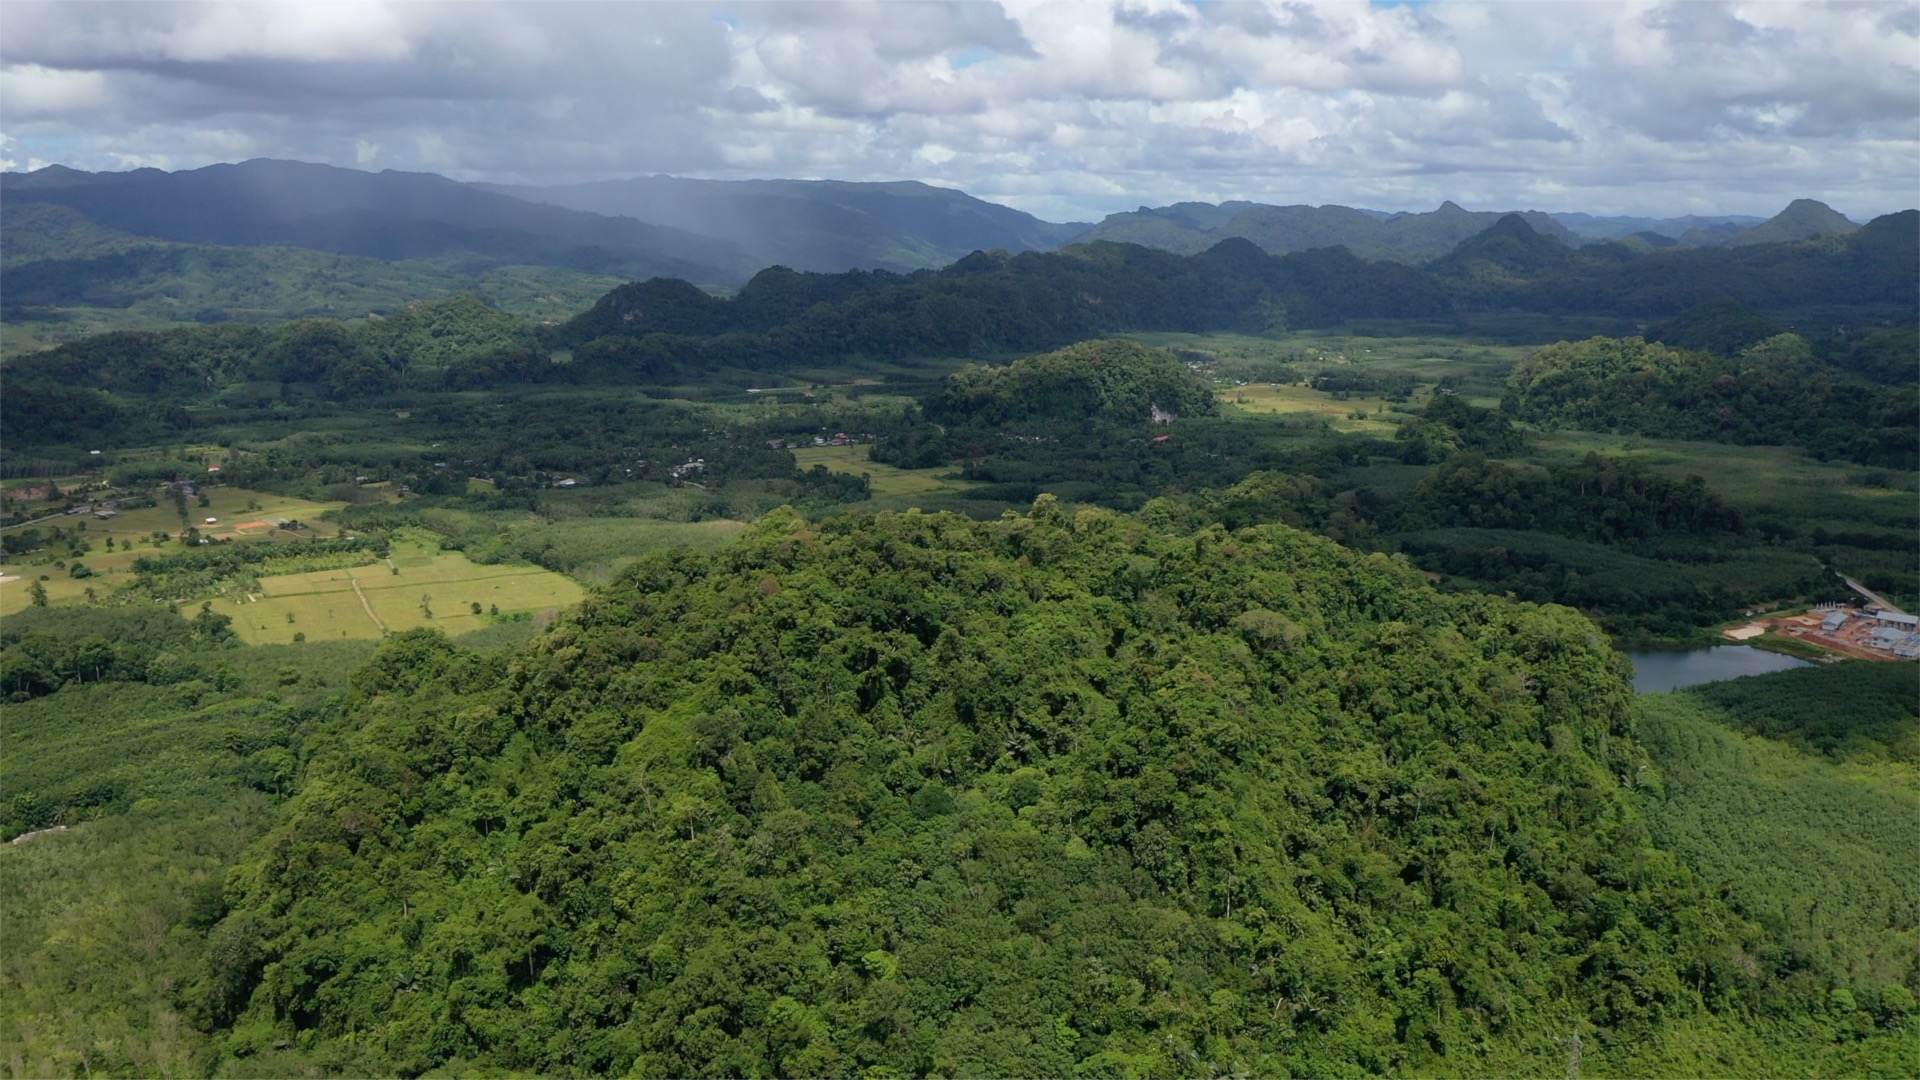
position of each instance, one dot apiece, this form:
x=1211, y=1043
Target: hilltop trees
x=1114, y=381
x=1057, y=792
x=1774, y=391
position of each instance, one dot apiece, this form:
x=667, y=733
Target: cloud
x=1065, y=109
x=30, y=91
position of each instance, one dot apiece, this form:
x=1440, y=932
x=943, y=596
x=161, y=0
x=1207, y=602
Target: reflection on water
x=1655, y=672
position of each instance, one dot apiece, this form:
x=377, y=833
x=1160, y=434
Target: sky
x=1068, y=110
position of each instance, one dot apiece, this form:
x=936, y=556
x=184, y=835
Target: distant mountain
x=1189, y=228
x=387, y=215
x=1710, y=235
x=1803, y=219
x=825, y=225
x=1509, y=251
x=32, y=231
x=1872, y=269
x=1589, y=227
x=1648, y=241
x=64, y=277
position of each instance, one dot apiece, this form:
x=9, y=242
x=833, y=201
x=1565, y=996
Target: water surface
x=1657, y=672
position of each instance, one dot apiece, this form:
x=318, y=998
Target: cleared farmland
x=240, y=515
x=885, y=479
x=415, y=588
x=1291, y=399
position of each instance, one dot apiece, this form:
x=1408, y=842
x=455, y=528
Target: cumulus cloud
x=1067, y=109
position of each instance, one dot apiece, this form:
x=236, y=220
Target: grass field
x=1478, y=371
x=130, y=529
x=241, y=515
x=886, y=479
x=1293, y=399
x=1756, y=476
x=431, y=588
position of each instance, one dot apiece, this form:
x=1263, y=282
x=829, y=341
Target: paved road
x=1869, y=594
x=49, y=517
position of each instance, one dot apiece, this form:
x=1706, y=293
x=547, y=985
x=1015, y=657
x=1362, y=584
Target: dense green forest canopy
x=993, y=306
x=1135, y=780
x=93, y=385
x=1056, y=792
x=1774, y=391
x=1117, y=382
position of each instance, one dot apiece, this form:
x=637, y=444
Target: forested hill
x=825, y=225
x=1874, y=268
x=1055, y=794
x=993, y=303
x=1417, y=238
x=386, y=215
x=1189, y=228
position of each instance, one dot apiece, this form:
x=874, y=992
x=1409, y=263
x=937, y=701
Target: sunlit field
x=416, y=587
x=886, y=479
x=241, y=515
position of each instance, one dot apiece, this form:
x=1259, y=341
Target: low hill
x=1053, y=794
x=1104, y=381
x=817, y=224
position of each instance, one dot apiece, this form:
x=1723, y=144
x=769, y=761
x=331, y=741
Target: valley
x=1101, y=660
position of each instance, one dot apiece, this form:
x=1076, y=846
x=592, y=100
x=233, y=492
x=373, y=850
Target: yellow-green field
x=130, y=530
x=432, y=588
x=1777, y=476
x=886, y=479
x=240, y=514
x=1293, y=398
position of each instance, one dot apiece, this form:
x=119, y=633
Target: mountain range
x=265, y=240
x=386, y=215
x=826, y=225
x=1192, y=227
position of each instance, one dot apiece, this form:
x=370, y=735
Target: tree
x=38, y=594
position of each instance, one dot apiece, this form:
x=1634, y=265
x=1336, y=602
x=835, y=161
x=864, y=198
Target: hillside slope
x=1803, y=219
x=387, y=215
x=823, y=225
x=911, y=793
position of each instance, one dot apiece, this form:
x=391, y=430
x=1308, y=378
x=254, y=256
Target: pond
x=1657, y=672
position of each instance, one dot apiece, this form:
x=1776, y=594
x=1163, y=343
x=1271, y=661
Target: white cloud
x=1075, y=107
x=28, y=91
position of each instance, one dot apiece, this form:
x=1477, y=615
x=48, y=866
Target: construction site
x=1873, y=632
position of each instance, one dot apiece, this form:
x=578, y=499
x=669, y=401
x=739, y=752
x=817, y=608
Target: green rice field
x=416, y=587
